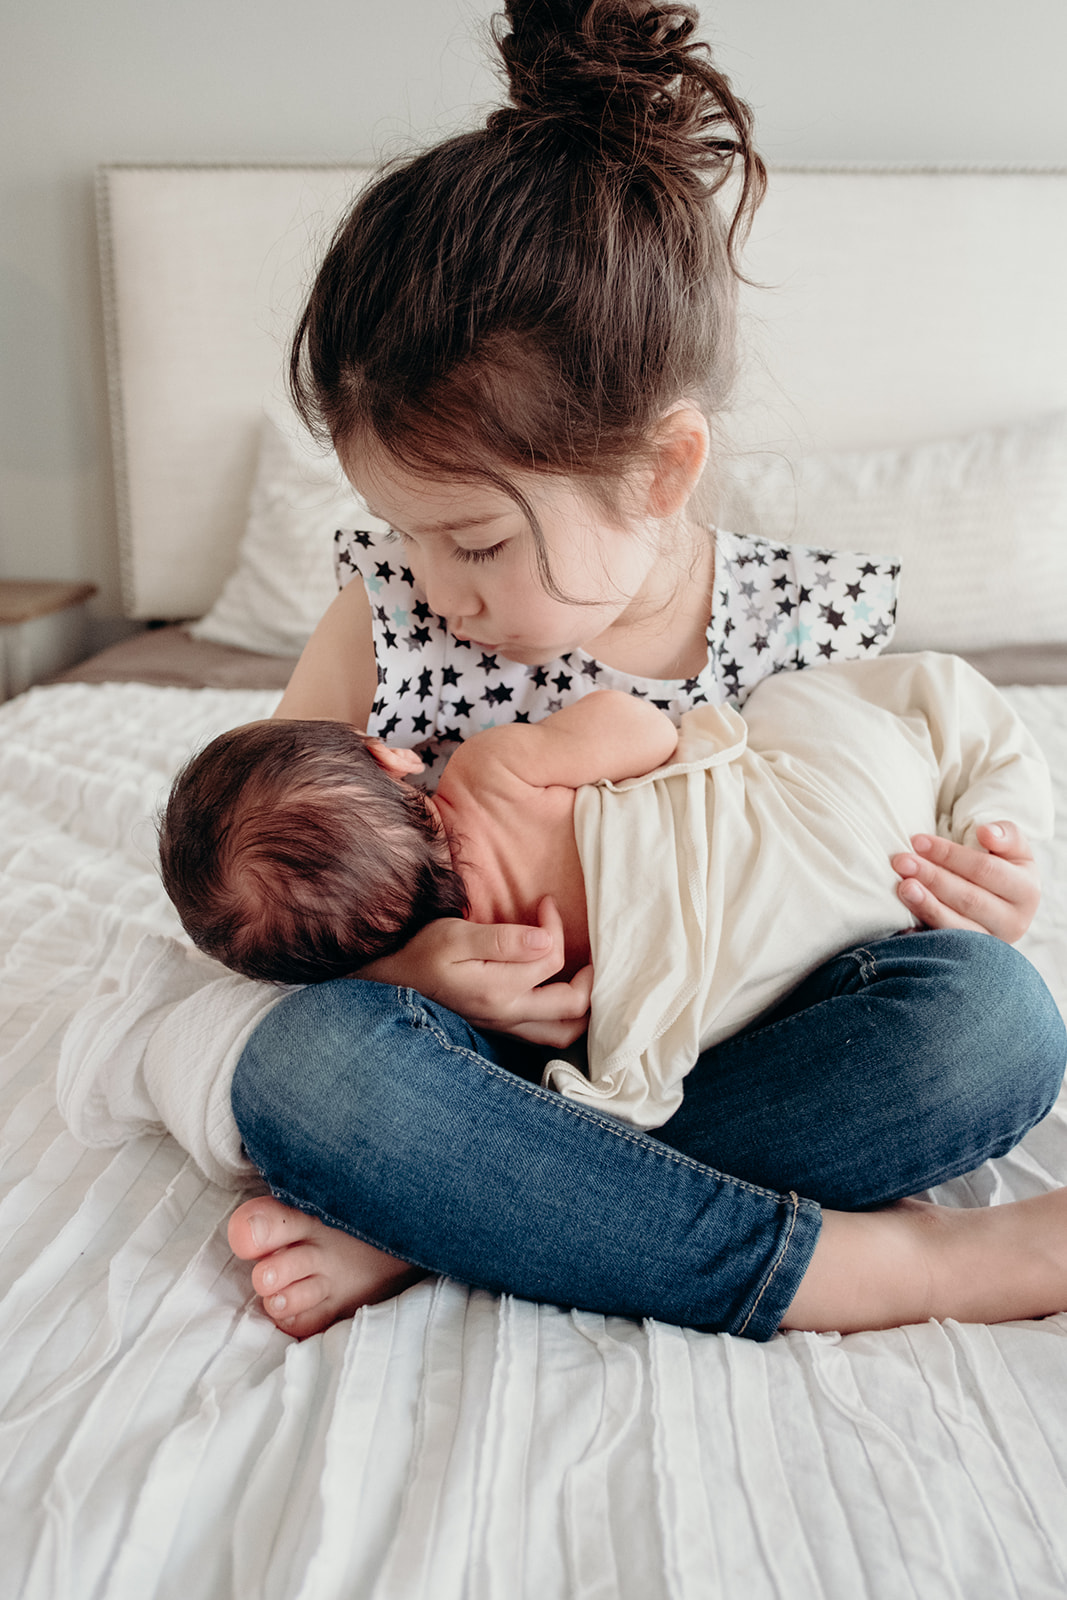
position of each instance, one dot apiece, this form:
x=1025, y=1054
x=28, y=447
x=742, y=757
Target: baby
x=703, y=871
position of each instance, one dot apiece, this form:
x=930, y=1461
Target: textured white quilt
x=158, y=1437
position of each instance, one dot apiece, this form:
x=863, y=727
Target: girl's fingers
x=513, y=943
x=996, y=872
x=549, y=920
x=502, y=941
x=558, y=1013
x=1006, y=840
x=948, y=885
x=439, y=959
x=496, y=975
x=933, y=913
x=551, y=1001
x=549, y=1035
x=554, y=1014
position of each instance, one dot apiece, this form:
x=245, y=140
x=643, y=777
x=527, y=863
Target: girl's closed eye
x=460, y=552
x=485, y=553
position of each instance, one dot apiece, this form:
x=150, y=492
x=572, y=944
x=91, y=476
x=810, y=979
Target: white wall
x=914, y=81
x=263, y=80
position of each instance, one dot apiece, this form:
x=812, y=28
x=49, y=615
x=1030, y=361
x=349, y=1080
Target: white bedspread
x=158, y=1437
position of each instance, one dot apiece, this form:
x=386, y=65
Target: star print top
x=775, y=607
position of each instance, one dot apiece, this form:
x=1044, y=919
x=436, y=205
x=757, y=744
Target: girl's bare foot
x=307, y=1274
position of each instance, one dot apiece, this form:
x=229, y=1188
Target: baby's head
x=293, y=855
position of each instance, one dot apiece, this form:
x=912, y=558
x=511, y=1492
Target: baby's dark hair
x=292, y=856
x=536, y=294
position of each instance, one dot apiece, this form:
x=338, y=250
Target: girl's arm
x=336, y=677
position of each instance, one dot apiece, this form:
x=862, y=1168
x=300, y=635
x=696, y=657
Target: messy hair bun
x=628, y=78
x=536, y=294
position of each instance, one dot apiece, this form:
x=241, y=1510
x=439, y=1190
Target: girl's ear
x=680, y=455
x=398, y=762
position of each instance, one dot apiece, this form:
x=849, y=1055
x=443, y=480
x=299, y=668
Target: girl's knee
x=1016, y=1026
x=307, y=1042
x=1015, y=996
x=369, y=1057
x=971, y=1028
x=323, y=1085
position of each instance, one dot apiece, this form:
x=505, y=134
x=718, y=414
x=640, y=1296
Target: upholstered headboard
x=204, y=269
x=895, y=306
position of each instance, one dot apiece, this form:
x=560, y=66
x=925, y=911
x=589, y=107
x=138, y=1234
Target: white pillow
x=979, y=525
x=284, y=578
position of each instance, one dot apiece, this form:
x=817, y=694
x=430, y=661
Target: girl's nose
x=449, y=590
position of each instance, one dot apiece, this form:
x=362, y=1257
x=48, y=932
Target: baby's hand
x=492, y=974
x=992, y=890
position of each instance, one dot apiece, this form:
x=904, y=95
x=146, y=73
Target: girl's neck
x=663, y=633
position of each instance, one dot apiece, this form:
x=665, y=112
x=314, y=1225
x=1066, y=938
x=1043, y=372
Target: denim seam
x=867, y=964
x=794, y=1197
x=607, y=1124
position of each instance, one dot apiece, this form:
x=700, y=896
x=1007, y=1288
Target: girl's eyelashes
x=487, y=554
x=460, y=552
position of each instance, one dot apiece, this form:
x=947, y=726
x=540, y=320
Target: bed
x=905, y=388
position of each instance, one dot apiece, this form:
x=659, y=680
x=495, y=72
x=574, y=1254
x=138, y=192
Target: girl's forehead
x=432, y=505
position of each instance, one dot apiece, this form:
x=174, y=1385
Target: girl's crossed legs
x=890, y=1069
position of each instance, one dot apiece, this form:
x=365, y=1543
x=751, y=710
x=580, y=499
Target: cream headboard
x=899, y=306
x=204, y=271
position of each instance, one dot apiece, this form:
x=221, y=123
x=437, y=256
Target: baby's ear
x=397, y=761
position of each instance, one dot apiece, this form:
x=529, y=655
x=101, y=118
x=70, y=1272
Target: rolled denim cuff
x=772, y=1298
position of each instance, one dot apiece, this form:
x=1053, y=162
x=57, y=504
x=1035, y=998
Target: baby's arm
x=991, y=765
x=604, y=735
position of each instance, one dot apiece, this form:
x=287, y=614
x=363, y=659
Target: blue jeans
x=892, y=1068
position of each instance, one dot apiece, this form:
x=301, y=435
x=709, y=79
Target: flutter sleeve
x=778, y=607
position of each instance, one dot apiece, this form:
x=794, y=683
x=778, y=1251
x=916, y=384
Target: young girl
x=515, y=344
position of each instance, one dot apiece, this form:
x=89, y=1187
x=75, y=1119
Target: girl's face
x=470, y=549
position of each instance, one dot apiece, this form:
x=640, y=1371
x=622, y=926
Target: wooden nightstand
x=35, y=638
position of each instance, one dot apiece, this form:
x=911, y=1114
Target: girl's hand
x=494, y=975
x=991, y=890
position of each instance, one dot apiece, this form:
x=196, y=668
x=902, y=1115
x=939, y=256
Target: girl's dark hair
x=291, y=856
x=537, y=293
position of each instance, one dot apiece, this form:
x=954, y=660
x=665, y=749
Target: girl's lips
x=513, y=649
x=457, y=633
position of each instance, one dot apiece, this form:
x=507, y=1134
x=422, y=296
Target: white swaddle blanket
x=715, y=884
x=159, y=1053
